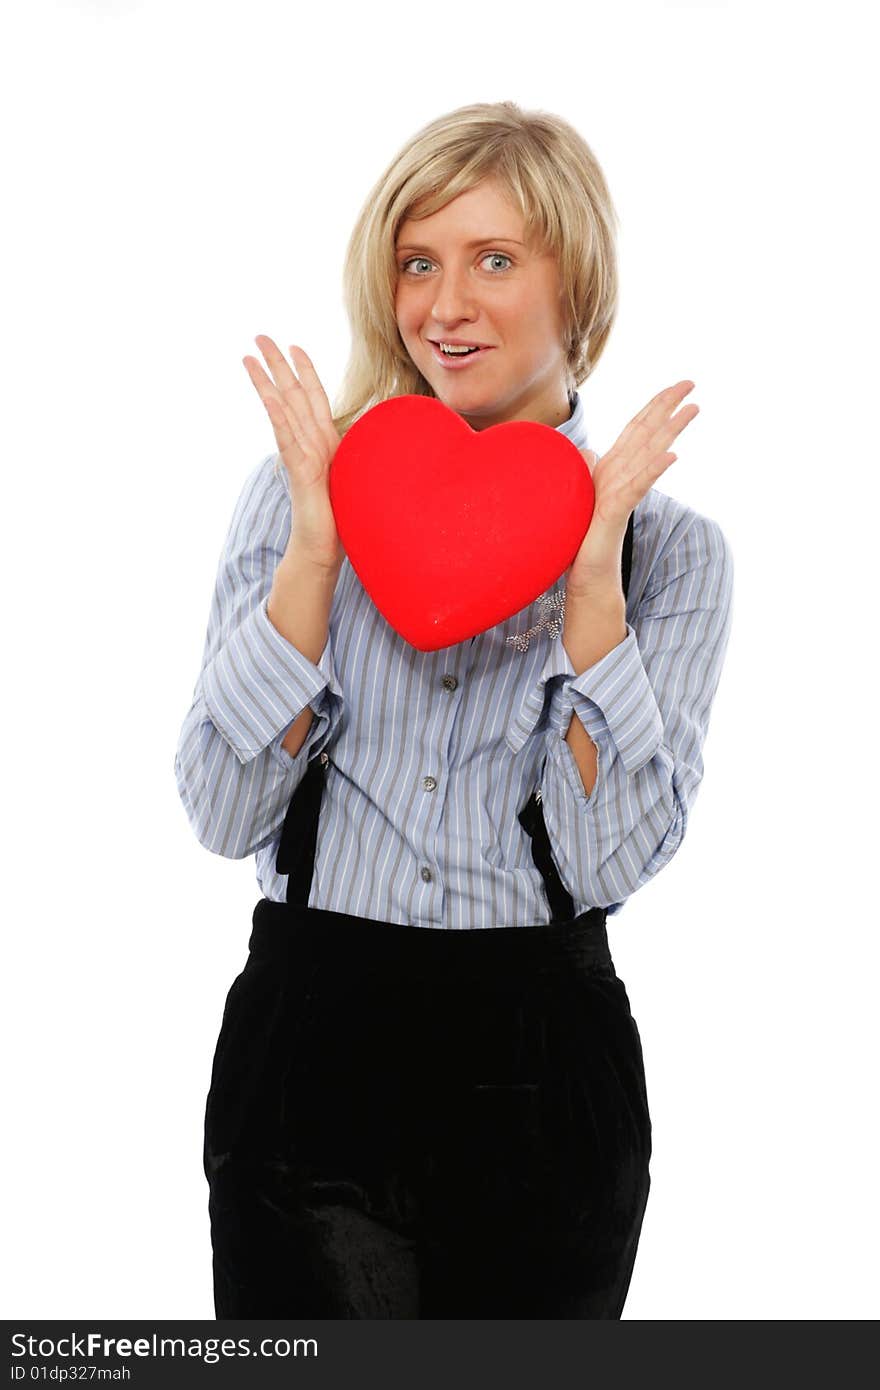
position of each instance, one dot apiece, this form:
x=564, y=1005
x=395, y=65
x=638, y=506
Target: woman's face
x=465, y=275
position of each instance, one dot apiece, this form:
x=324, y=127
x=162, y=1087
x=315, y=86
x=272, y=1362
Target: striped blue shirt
x=433, y=754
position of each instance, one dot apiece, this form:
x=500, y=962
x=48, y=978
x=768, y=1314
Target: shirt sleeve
x=646, y=706
x=233, y=776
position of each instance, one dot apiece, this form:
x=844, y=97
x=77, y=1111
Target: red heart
x=450, y=529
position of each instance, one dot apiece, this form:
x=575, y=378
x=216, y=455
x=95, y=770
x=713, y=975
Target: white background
x=181, y=176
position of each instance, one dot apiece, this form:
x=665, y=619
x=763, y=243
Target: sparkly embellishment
x=552, y=608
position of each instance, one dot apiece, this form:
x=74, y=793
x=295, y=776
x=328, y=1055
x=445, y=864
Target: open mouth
x=459, y=357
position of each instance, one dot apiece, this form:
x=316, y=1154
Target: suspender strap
x=531, y=818
x=626, y=556
x=299, y=834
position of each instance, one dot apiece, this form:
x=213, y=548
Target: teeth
x=456, y=351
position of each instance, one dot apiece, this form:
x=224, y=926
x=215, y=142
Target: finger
x=642, y=461
x=310, y=380
x=635, y=463
x=293, y=394
x=278, y=364
x=665, y=401
x=643, y=432
x=289, y=387
x=313, y=388
x=671, y=429
x=677, y=424
x=263, y=384
x=272, y=400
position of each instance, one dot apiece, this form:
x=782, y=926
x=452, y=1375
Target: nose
x=453, y=300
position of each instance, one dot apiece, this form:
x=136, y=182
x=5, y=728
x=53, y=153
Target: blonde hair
x=555, y=180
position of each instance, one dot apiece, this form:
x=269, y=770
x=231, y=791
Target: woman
x=410, y=1116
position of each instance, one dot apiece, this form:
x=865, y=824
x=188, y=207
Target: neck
x=553, y=412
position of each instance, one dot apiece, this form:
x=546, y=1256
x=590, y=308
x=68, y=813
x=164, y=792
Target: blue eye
x=423, y=260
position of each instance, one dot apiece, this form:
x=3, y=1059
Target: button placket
x=449, y=682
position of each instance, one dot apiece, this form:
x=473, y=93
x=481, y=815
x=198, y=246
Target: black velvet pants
x=409, y=1122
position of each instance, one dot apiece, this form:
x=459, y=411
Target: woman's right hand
x=307, y=441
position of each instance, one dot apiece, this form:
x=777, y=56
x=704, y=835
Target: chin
x=465, y=402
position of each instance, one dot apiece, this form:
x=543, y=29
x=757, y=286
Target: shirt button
x=449, y=682
x=426, y=874
x=429, y=783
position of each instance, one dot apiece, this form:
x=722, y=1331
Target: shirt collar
x=574, y=428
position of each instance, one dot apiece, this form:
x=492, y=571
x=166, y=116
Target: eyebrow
x=469, y=245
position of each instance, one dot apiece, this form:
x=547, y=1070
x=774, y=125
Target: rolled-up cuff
x=258, y=683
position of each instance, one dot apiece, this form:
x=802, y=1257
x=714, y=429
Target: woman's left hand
x=620, y=479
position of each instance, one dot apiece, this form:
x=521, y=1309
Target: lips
x=458, y=360
x=457, y=342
